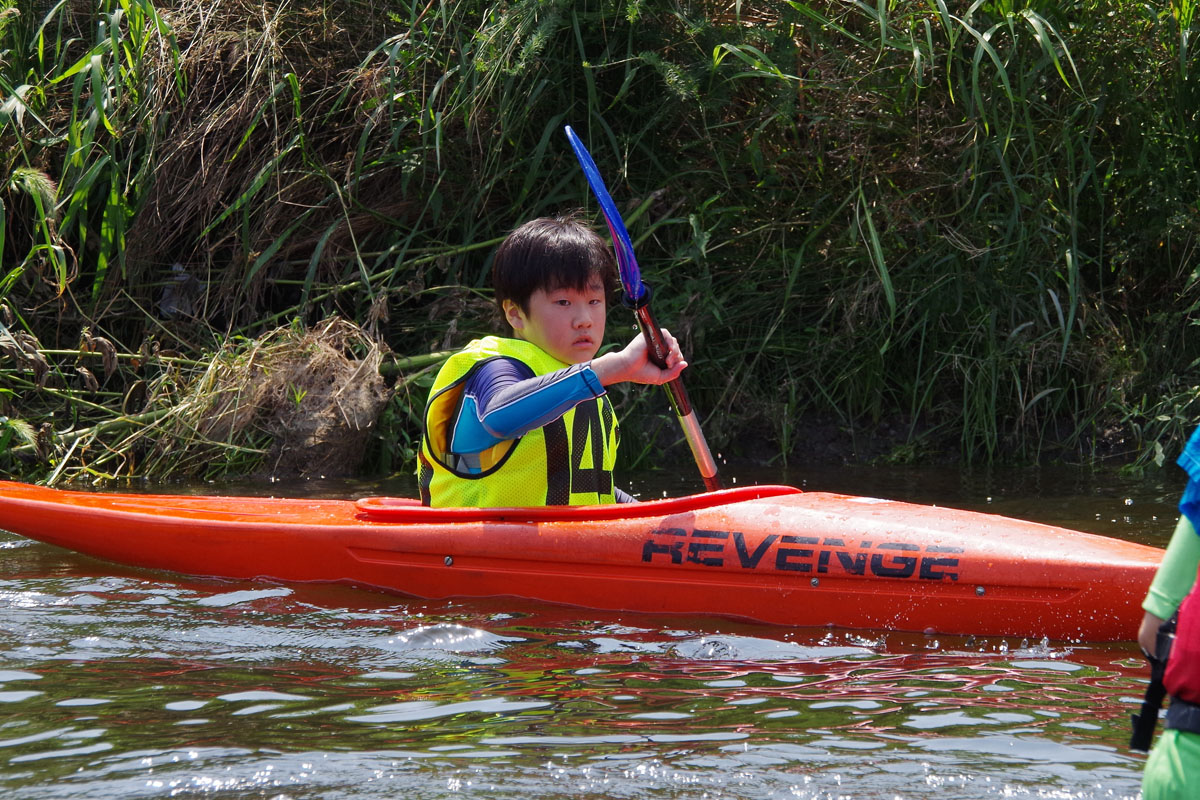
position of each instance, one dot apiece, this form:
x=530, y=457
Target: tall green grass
x=975, y=225
x=80, y=94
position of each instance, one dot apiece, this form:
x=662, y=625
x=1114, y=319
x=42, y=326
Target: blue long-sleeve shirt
x=503, y=399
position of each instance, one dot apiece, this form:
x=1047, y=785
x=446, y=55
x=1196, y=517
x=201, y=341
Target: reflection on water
x=118, y=683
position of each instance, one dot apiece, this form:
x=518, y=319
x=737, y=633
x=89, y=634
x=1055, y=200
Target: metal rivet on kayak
x=816, y=581
x=449, y=561
x=979, y=590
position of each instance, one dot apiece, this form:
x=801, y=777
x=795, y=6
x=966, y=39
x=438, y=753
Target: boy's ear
x=514, y=315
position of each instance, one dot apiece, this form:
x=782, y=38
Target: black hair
x=551, y=253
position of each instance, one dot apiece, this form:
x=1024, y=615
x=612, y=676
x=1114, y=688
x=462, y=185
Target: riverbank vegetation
x=899, y=230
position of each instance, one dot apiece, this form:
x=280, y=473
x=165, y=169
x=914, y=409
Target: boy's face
x=566, y=323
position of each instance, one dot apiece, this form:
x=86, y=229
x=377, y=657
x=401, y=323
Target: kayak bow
x=766, y=553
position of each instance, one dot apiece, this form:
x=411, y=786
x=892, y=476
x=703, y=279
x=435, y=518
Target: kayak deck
x=767, y=553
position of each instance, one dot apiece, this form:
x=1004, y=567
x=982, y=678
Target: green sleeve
x=1176, y=573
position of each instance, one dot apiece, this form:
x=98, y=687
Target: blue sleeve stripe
x=593, y=380
x=468, y=435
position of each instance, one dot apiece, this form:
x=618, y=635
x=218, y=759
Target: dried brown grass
x=295, y=402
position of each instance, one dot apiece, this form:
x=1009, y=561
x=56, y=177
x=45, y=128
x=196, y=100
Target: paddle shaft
x=678, y=395
x=637, y=296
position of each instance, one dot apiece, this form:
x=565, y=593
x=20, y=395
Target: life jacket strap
x=1183, y=716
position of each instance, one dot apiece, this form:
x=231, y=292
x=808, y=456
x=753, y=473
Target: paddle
x=637, y=297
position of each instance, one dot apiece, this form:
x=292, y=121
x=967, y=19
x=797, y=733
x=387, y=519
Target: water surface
x=123, y=683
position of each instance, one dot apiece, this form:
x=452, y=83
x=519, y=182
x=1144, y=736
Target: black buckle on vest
x=1146, y=720
x=1183, y=716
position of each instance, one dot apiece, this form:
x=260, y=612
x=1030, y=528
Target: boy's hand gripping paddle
x=637, y=297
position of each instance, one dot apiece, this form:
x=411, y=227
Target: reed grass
x=975, y=225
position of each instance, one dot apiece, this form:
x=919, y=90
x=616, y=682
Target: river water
x=123, y=683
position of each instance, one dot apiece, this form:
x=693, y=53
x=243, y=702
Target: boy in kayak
x=525, y=420
x=1173, y=769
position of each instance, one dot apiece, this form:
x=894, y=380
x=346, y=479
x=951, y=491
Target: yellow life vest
x=568, y=461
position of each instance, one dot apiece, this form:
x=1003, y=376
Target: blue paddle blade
x=631, y=276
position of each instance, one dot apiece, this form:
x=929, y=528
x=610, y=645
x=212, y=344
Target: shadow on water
x=117, y=682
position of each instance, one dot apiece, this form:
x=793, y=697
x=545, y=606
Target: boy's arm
x=1176, y=573
x=504, y=400
x=1171, y=583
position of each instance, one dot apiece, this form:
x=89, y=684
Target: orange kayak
x=768, y=553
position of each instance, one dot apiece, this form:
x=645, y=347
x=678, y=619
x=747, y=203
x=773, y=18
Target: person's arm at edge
x=1171, y=583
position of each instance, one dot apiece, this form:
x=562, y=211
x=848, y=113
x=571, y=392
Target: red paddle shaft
x=679, y=399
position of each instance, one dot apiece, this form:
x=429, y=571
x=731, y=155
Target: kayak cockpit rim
x=401, y=509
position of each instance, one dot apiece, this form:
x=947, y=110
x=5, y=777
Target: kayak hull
x=771, y=554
